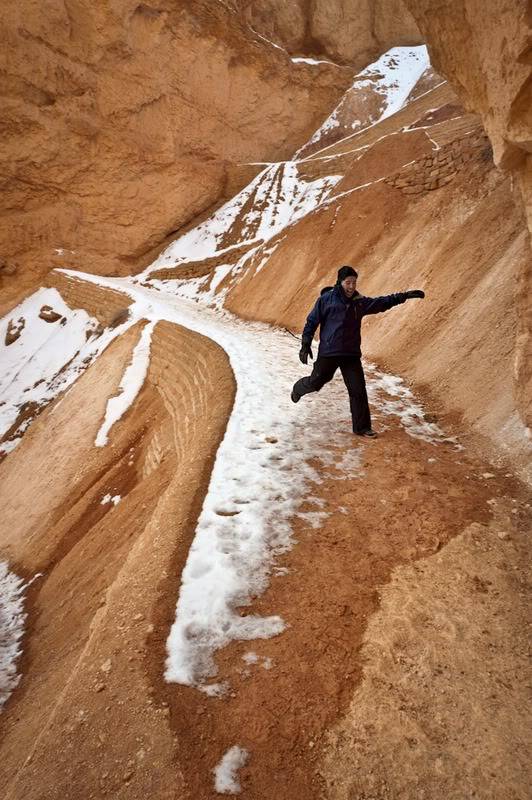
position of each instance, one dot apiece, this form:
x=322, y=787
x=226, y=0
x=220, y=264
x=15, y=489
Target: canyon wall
x=346, y=31
x=123, y=121
x=485, y=50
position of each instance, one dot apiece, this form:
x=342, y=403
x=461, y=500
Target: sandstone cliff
x=351, y=32
x=485, y=49
x=121, y=122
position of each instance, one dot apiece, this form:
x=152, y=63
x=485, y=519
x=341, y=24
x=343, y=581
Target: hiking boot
x=294, y=397
x=368, y=432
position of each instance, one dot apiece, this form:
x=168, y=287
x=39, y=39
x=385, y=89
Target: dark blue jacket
x=339, y=319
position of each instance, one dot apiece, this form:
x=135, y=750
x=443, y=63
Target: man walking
x=339, y=311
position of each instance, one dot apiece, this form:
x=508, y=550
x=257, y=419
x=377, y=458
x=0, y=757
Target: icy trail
x=260, y=476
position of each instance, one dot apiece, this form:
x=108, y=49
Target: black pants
x=353, y=375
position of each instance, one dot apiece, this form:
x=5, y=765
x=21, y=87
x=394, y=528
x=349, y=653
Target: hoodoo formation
x=209, y=586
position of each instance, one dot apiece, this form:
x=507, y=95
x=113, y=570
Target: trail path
x=301, y=528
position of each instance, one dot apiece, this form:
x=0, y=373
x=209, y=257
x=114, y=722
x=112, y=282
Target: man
x=339, y=311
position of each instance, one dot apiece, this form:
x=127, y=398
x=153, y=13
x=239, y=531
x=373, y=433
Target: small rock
x=106, y=666
x=504, y=535
x=14, y=329
x=99, y=687
x=48, y=314
x=488, y=475
x=138, y=617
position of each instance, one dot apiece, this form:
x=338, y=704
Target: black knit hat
x=346, y=272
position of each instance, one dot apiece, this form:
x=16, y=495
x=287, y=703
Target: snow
x=46, y=358
x=278, y=197
x=130, y=385
x=393, y=76
x=110, y=499
x=261, y=475
x=225, y=777
x=301, y=60
x=11, y=629
x=269, y=41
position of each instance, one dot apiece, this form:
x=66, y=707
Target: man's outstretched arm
x=375, y=305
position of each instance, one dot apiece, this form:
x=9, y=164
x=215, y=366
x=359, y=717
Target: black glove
x=414, y=293
x=305, y=352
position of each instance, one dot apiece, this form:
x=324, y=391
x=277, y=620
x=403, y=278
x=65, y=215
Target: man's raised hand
x=305, y=352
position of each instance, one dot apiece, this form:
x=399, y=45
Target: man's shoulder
x=326, y=290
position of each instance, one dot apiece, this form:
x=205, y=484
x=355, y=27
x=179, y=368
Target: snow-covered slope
x=44, y=346
x=377, y=92
x=278, y=197
x=245, y=231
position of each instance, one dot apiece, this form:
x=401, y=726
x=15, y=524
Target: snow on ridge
x=47, y=357
x=108, y=498
x=12, y=618
x=278, y=197
x=130, y=385
x=393, y=76
x=313, y=61
x=225, y=772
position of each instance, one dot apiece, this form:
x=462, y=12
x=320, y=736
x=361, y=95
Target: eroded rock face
x=347, y=31
x=485, y=50
x=122, y=121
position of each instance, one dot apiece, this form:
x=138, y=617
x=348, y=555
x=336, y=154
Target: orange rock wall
x=347, y=31
x=121, y=122
x=485, y=50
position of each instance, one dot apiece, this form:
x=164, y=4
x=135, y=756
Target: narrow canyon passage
x=354, y=512
x=206, y=588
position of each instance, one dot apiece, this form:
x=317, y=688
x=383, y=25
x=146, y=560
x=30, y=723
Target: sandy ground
x=392, y=681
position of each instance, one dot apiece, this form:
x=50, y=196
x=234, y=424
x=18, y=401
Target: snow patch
x=393, y=76
x=12, y=619
x=46, y=358
x=110, y=499
x=130, y=385
x=301, y=60
x=225, y=773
